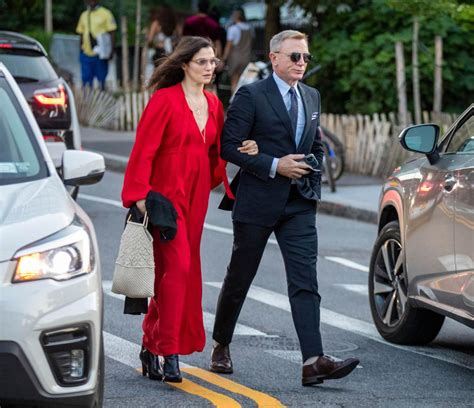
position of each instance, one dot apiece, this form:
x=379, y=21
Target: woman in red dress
x=176, y=154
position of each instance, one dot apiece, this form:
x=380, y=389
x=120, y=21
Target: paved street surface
x=265, y=348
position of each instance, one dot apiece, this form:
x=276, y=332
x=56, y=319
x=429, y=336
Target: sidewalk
x=356, y=196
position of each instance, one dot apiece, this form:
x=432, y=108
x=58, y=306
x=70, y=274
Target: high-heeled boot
x=170, y=368
x=150, y=365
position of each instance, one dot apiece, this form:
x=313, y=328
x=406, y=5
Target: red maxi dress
x=171, y=156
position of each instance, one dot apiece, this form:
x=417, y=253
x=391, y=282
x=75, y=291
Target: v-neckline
x=192, y=113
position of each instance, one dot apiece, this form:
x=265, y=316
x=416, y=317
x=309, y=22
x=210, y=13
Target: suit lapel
x=276, y=102
x=308, y=108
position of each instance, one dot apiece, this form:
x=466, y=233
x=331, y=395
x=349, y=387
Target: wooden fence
x=370, y=141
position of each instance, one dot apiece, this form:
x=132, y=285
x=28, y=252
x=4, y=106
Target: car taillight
x=53, y=137
x=52, y=96
x=6, y=46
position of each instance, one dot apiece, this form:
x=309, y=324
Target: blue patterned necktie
x=293, y=108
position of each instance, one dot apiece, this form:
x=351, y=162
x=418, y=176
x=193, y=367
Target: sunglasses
x=202, y=62
x=296, y=56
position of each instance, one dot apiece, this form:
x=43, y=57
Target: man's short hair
x=277, y=39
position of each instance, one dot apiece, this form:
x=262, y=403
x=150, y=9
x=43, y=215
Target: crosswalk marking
x=352, y=287
x=356, y=326
x=240, y=329
x=348, y=263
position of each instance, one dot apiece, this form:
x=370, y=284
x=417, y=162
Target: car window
x=463, y=139
x=28, y=68
x=20, y=156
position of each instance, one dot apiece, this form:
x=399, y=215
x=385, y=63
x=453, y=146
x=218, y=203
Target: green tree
x=418, y=9
x=354, y=43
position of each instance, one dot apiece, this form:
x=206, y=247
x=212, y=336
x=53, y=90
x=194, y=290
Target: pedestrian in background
x=176, y=154
x=238, y=48
x=201, y=25
x=161, y=34
x=277, y=192
x=96, y=27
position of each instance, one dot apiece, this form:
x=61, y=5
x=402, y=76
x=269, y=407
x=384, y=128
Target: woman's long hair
x=168, y=70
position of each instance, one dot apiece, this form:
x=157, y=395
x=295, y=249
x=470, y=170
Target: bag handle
x=145, y=220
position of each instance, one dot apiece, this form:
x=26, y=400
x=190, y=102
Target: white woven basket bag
x=134, y=274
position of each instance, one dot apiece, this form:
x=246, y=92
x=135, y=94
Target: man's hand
x=141, y=206
x=289, y=166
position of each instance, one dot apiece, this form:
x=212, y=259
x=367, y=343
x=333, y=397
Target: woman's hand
x=249, y=147
x=141, y=206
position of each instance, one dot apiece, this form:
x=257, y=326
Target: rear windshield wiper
x=24, y=79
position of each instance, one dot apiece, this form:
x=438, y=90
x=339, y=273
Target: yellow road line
x=262, y=400
x=217, y=399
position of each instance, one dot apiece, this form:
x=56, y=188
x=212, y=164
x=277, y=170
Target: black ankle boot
x=170, y=369
x=150, y=365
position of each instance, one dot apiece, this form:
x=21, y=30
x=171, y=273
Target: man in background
x=97, y=28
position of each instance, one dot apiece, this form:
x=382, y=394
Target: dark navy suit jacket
x=259, y=113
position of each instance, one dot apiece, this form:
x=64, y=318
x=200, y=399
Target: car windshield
x=20, y=156
x=28, y=68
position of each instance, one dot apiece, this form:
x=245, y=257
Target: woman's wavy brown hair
x=168, y=70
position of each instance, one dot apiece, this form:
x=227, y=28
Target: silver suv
x=422, y=266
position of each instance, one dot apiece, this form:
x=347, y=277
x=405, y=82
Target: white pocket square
x=314, y=115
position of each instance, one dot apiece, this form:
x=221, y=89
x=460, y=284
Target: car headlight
x=64, y=255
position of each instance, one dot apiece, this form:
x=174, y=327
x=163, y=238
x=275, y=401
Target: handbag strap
x=145, y=220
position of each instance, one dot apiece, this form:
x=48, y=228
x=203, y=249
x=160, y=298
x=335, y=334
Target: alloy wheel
x=390, y=283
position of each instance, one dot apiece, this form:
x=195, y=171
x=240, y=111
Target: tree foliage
x=354, y=43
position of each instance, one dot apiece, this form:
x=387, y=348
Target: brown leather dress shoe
x=327, y=368
x=220, y=360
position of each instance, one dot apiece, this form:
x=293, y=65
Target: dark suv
x=48, y=95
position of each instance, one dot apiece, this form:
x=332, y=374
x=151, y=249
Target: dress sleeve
x=218, y=172
x=150, y=132
x=214, y=156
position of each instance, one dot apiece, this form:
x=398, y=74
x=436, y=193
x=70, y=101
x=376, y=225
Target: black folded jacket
x=161, y=215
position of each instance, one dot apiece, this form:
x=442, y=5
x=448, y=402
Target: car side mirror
x=80, y=168
x=421, y=139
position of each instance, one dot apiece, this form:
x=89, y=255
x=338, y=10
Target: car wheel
x=99, y=393
x=395, y=318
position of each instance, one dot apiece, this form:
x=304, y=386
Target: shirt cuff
x=273, y=169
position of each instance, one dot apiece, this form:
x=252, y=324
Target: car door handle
x=449, y=182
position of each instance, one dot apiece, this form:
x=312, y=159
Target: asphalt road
x=265, y=350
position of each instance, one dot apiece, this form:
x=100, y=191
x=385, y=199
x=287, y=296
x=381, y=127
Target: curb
x=347, y=211
x=119, y=163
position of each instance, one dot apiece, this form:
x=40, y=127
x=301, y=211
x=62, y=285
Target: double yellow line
x=221, y=400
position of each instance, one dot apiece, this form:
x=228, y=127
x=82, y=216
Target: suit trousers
x=296, y=235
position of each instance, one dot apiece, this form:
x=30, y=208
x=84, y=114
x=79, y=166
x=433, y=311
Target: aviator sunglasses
x=296, y=56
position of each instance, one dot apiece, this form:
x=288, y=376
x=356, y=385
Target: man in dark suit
x=276, y=191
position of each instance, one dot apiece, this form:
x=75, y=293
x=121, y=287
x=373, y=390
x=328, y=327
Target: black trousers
x=296, y=234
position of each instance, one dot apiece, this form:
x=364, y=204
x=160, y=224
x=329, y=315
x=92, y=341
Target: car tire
x=395, y=317
x=99, y=392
